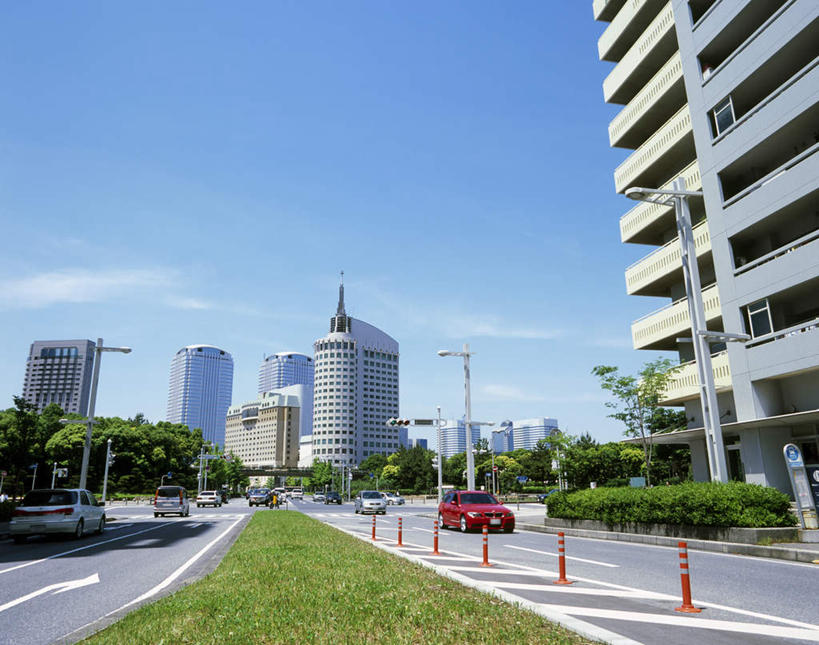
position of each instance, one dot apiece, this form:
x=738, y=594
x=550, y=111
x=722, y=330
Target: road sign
x=62, y=473
x=522, y=479
x=793, y=456
x=495, y=468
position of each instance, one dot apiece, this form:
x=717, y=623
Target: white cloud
x=498, y=392
x=79, y=286
x=618, y=342
x=189, y=303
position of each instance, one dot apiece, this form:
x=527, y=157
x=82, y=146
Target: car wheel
x=188, y=511
x=441, y=523
x=20, y=539
x=156, y=514
x=463, y=525
x=101, y=526
x=510, y=526
x=80, y=529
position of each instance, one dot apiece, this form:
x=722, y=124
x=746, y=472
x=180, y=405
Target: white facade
x=200, y=390
x=59, y=371
x=453, y=436
x=527, y=432
x=265, y=431
x=355, y=392
x=726, y=96
x=284, y=369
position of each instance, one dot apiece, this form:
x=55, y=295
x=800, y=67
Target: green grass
x=291, y=579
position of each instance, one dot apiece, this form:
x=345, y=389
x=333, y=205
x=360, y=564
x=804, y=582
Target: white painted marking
x=614, y=593
x=117, y=527
x=568, y=557
x=58, y=587
x=82, y=548
x=688, y=621
x=179, y=571
x=195, y=525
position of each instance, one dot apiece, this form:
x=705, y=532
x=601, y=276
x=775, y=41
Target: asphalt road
x=629, y=590
x=56, y=590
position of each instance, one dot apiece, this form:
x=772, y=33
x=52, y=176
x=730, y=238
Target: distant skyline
x=190, y=173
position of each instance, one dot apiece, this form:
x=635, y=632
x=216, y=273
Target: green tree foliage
x=637, y=400
x=373, y=464
x=20, y=443
x=454, y=468
x=322, y=474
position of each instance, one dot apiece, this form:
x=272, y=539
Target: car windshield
x=371, y=494
x=208, y=492
x=50, y=498
x=168, y=492
x=477, y=498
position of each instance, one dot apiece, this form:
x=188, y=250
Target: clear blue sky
x=199, y=172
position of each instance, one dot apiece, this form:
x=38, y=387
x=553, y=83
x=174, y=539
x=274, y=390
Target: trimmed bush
x=694, y=504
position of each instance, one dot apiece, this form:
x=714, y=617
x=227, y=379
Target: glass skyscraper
x=285, y=369
x=200, y=390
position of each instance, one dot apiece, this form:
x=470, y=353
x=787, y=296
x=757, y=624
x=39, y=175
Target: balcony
x=666, y=151
x=659, y=329
x=645, y=223
x=685, y=385
x=605, y=10
x=626, y=27
x=661, y=97
x=653, y=275
x=654, y=46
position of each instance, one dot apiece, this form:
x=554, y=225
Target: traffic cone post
x=561, y=557
x=400, y=531
x=687, y=607
x=435, y=540
x=486, y=562
x=373, y=527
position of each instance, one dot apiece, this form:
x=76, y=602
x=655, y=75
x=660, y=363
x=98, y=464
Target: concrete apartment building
x=265, y=432
x=59, y=371
x=356, y=391
x=725, y=94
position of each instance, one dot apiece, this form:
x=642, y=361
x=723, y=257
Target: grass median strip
x=291, y=579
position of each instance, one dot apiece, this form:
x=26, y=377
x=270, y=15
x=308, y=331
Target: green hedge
x=695, y=504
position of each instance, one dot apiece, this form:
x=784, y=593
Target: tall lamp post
x=86, y=451
x=506, y=428
x=105, y=478
x=440, y=460
x=470, y=461
x=678, y=198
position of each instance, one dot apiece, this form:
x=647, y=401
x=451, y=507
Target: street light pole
x=696, y=310
x=470, y=462
x=440, y=461
x=105, y=478
x=54, y=475
x=86, y=451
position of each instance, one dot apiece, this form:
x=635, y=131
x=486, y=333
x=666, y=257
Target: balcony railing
x=606, y=9
x=617, y=31
x=673, y=319
x=638, y=55
x=646, y=214
x=647, y=97
x=665, y=260
x=802, y=328
x=670, y=133
x=685, y=383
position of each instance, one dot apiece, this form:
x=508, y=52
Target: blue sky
x=199, y=172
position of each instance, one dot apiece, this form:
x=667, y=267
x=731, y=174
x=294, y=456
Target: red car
x=469, y=509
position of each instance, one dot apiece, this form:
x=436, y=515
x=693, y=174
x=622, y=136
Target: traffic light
x=399, y=422
x=111, y=458
x=435, y=463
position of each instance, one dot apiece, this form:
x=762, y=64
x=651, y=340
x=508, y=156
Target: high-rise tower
x=284, y=369
x=725, y=95
x=355, y=392
x=200, y=390
x=59, y=371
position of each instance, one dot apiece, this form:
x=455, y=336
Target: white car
x=297, y=493
x=208, y=498
x=392, y=498
x=370, y=501
x=57, y=510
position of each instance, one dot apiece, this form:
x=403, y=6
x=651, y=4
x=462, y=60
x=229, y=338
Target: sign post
x=805, y=497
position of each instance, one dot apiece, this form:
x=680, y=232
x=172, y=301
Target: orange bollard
x=400, y=530
x=435, y=540
x=486, y=562
x=686, y=606
x=561, y=553
x=373, y=527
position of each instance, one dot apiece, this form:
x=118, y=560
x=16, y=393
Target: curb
x=735, y=548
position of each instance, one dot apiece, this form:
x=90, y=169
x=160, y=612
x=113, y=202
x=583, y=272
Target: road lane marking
x=614, y=593
x=687, y=621
x=82, y=548
x=195, y=525
x=179, y=571
x=568, y=557
x=58, y=587
x=117, y=527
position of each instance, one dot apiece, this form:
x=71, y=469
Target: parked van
x=171, y=499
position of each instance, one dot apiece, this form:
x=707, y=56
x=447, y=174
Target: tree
x=20, y=443
x=322, y=474
x=373, y=464
x=637, y=400
x=454, y=468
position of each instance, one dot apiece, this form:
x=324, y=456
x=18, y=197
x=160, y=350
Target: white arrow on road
x=58, y=587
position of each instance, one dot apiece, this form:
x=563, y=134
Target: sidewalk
x=530, y=517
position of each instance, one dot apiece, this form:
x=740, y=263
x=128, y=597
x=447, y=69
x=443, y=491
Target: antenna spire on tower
x=340, y=311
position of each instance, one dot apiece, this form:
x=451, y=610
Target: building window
x=759, y=318
x=723, y=115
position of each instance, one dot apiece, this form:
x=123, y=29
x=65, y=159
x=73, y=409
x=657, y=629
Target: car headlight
x=474, y=514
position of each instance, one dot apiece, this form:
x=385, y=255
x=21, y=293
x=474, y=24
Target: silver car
x=393, y=498
x=370, y=501
x=56, y=510
x=171, y=500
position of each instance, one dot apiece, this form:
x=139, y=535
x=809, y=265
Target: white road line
x=568, y=557
x=195, y=525
x=82, y=548
x=688, y=621
x=510, y=572
x=179, y=571
x=614, y=593
x=117, y=527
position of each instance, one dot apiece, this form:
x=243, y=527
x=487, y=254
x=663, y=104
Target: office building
x=356, y=391
x=726, y=96
x=200, y=390
x=527, y=432
x=453, y=436
x=59, y=371
x=283, y=369
x=265, y=432
x=416, y=442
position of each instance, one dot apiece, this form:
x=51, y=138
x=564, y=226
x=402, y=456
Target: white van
x=171, y=499
x=298, y=493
